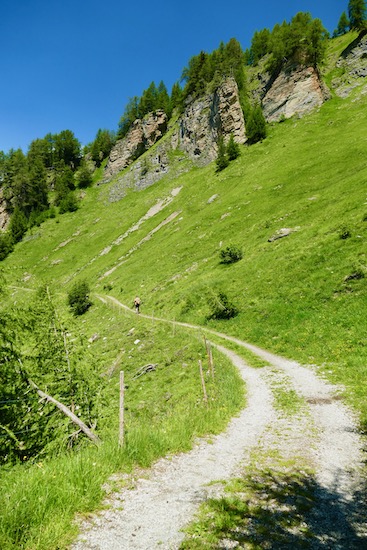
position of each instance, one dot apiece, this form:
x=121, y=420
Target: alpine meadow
x=259, y=235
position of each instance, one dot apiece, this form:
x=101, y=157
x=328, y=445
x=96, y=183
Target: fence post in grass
x=211, y=361
x=121, y=423
x=210, y=356
x=203, y=382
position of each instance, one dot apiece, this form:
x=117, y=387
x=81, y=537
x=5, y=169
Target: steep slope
x=300, y=294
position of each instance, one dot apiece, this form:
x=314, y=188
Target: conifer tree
x=343, y=25
x=233, y=149
x=222, y=158
x=18, y=225
x=256, y=125
x=357, y=14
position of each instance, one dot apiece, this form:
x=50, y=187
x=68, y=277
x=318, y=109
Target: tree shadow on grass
x=278, y=511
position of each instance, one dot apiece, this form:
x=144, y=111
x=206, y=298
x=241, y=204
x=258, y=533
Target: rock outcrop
x=296, y=91
x=141, y=136
x=353, y=65
x=194, y=138
x=4, y=215
x=205, y=119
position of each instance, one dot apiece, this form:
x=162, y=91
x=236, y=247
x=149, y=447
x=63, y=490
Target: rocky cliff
x=205, y=119
x=4, y=215
x=195, y=135
x=297, y=90
x=352, y=67
x=141, y=136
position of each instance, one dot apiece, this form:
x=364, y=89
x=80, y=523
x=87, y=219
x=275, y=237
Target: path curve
x=155, y=511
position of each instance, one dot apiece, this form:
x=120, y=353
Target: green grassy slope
x=302, y=295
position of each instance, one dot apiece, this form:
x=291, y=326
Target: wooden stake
x=210, y=356
x=203, y=382
x=211, y=362
x=121, y=424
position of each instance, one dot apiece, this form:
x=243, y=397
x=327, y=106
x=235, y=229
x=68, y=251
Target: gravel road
x=165, y=499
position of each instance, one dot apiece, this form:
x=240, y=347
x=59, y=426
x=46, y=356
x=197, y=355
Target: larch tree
x=357, y=14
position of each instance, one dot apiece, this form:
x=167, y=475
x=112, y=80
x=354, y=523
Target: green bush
x=6, y=245
x=78, y=298
x=230, y=254
x=344, y=233
x=221, y=307
x=68, y=204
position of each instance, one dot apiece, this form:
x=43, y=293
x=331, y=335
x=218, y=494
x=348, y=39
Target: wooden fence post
x=210, y=356
x=121, y=424
x=203, y=382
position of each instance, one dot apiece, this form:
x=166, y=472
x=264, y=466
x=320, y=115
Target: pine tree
x=222, y=159
x=357, y=14
x=18, y=225
x=343, y=25
x=233, y=150
x=176, y=96
x=256, y=126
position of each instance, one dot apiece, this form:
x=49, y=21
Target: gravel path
x=152, y=514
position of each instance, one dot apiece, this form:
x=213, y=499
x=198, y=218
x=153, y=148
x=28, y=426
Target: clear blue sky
x=74, y=64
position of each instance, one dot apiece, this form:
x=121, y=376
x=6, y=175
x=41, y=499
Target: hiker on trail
x=137, y=304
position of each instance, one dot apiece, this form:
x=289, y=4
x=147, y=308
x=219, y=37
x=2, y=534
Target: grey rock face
x=296, y=91
x=353, y=63
x=141, y=136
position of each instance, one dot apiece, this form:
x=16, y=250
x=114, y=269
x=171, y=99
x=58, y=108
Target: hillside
x=301, y=294
x=294, y=203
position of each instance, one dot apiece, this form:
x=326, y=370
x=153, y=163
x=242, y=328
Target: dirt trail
x=153, y=513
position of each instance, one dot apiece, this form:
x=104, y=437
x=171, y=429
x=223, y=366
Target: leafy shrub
x=78, y=298
x=6, y=245
x=68, y=204
x=230, y=254
x=221, y=307
x=344, y=233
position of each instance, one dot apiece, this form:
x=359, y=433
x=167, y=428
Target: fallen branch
x=63, y=408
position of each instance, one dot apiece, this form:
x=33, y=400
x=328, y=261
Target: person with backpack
x=137, y=303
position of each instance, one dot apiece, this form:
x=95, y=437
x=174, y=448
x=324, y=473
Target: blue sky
x=74, y=64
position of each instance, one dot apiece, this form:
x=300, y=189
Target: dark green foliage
x=6, y=245
x=84, y=176
x=221, y=307
x=153, y=99
x=18, y=225
x=302, y=41
x=67, y=149
x=256, y=125
x=343, y=25
x=78, y=298
x=205, y=69
x=233, y=149
x=344, y=233
x=36, y=198
x=222, y=158
x=176, y=97
x=231, y=254
x=101, y=147
x=131, y=113
x=357, y=14
x=36, y=346
x=64, y=183
x=68, y=203
x=259, y=47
